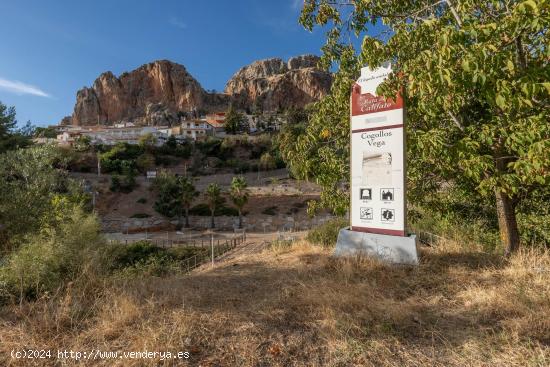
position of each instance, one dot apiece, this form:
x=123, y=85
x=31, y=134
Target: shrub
x=141, y=200
x=327, y=233
x=204, y=211
x=173, y=148
x=140, y=215
x=165, y=160
x=209, y=147
x=292, y=210
x=120, y=158
x=30, y=181
x=238, y=166
x=143, y=258
x=272, y=210
x=145, y=162
x=169, y=199
x=124, y=184
x=128, y=255
x=50, y=259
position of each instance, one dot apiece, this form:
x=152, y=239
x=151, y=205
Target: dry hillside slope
x=297, y=306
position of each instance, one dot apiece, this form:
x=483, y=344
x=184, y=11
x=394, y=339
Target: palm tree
x=188, y=194
x=239, y=195
x=214, y=199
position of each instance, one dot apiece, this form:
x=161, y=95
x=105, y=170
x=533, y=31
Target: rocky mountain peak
x=303, y=61
x=273, y=84
x=164, y=86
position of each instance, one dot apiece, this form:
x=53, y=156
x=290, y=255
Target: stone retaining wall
x=254, y=224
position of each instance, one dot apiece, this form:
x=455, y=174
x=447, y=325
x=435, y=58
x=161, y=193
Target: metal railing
x=428, y=238
x=217, y=250
x=169, y=243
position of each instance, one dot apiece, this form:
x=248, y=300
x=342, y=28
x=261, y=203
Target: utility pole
x=212, y=245
x=98, y=165
x=93, y=200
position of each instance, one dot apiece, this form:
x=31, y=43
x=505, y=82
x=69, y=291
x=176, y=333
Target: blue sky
x=50, y=49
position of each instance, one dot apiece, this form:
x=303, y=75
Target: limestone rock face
x=303, y=61
x=273, y=84
x=67, y=120
x=113, y=99
x=159, y=114
x=159, y=93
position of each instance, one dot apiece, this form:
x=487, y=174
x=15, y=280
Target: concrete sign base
x=392, y=249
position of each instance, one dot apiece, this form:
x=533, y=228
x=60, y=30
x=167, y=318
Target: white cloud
x=178, y=23
x=20, y=88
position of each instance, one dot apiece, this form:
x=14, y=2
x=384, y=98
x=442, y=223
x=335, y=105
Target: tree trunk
x=240, y=219
x=212, y=220
x=507, y=224
x=186, y=217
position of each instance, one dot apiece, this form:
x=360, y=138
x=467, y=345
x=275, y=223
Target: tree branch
x=456, y=121
x=455, y=13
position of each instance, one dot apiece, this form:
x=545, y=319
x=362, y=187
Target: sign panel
x=377, y=157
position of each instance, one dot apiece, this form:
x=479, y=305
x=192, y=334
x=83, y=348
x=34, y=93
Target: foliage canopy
x=475, y=76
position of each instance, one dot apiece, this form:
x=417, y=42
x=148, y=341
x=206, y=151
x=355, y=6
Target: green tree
x=188, y=195
x=171, y=143
x=7, y=122
x=475, y=78
x=239, y=195
x=10, y=137
x=214, y=199
x=45, y=132
x=234, y=121
x=148, y=142
x=169, y=199
x=30, y=186
x=82, y=143
x=145, y=161
x=295, y=115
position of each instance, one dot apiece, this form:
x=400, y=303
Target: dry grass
x=297, y=306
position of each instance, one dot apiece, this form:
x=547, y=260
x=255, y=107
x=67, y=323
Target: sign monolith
x=378, y=224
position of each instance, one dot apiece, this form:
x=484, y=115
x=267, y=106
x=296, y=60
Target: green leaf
x=500, y=101
x=531, y=4
x=510, y=65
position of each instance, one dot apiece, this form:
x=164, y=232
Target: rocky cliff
x=159, y=92
x=273, y=84
x=133, y=95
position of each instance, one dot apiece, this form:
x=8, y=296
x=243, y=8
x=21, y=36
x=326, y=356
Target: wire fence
x=217, y=248
x=170, y=243
x=429, y=239
x=195, y=261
